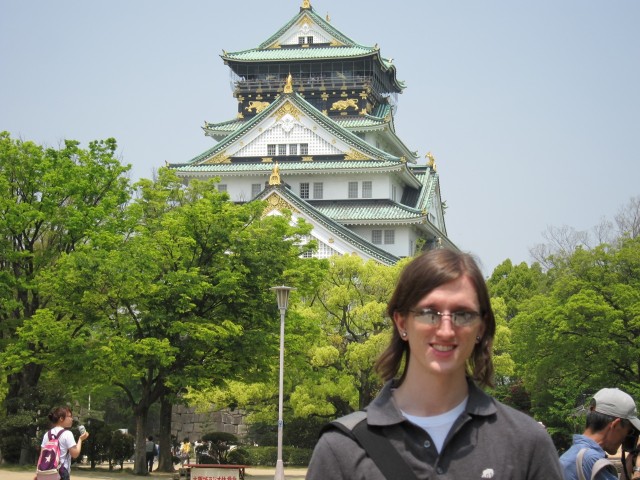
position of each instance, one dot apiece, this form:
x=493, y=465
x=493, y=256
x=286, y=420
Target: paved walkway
x=13, y=473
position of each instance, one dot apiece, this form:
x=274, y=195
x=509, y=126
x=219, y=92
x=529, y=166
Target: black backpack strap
x=376, y=445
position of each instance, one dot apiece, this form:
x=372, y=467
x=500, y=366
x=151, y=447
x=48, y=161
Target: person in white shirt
x=61, y=420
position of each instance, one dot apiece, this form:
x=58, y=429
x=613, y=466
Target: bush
x=239, y=456
x=215, y=448
x=296, y=456
x=268, y=456
x=10, y=446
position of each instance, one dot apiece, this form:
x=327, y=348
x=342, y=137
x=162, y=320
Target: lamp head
x=282, y=294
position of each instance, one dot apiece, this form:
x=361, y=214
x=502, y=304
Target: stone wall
x=185, y=422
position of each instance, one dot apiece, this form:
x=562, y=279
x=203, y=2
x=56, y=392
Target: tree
x=51, y=202
x=514, y=284
x=178, y=299
x=583, y=334
x=628, y=219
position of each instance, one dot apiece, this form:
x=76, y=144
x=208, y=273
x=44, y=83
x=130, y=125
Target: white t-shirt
x=438, y=426
x=66, y=441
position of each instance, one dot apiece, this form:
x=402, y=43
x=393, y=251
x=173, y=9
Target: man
x=611, y=418
x=150, y=450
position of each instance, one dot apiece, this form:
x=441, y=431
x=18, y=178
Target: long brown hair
x=422, y=275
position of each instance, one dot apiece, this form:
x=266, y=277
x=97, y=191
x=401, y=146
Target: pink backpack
x=49, y=461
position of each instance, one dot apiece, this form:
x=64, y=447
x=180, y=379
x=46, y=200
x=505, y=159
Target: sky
x=531, y=108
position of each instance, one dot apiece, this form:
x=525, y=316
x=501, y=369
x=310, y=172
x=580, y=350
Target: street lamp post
x=282, y=294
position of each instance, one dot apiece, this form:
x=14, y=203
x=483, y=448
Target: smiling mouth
x=443, y=348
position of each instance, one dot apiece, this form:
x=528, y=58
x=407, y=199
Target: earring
x=404, y=334
x=478, y=339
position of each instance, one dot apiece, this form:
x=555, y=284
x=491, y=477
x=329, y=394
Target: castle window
x=304, y=190
x=389, y=237
x=317, y=190
x=293, y=149
x=271, y=150
x=353, y=189
x=301, y=40
x=304, y=149
x=222, y=187
x=256, y=188
x=282, y=149
x=376, y=237
x=367, y=189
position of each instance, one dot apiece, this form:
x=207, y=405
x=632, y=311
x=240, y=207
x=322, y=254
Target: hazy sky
x=531, y=108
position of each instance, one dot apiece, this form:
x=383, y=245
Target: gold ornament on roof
x=274, y=179
x=345, y=104
x=306, y=4
x=328, y=18
x=355, y=155
x=257, y=106
x=222, y=157
x=432, y=161
x=285, y=109
x=288, y=87
x=276, y=202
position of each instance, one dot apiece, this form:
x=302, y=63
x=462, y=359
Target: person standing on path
x=432, y=415
x=61, y=420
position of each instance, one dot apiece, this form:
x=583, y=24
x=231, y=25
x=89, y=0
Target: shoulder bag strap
x=600, y=465
x=579, y=469
x=379, y=449
x=597, y=466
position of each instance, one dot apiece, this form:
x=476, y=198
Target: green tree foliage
x=514, y=284
x=334, y=333
x=52, y=201
x=180, y=297
x=347, y=328
x=583, y=333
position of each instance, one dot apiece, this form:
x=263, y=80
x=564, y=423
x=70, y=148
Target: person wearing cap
x=611, y=418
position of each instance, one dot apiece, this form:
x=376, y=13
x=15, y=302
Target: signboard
x=213, y=473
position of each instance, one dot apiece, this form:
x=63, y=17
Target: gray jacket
x=489, y=440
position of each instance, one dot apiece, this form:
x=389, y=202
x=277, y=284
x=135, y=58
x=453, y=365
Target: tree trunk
x=140, y=457
x=165, y=460
x=23, y=395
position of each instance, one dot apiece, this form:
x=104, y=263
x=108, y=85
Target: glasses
x=459, y=319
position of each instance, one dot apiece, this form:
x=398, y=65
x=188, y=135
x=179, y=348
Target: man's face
x=616, y=433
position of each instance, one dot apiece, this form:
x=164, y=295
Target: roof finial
x=306, y=4
x=432, y=160
x=274, y=179
x=288, y=87
x=328, y=17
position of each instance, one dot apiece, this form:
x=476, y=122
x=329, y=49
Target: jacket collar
x=383, y=410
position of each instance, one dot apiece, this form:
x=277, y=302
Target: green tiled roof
x=328, y=123
x=334, y=227
x=361, y=121
x=351, y=121
x=315, y=18
x=344, y=211
x=307, y=167
x=348, y=48
x=429, y=180
x=316, y=53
